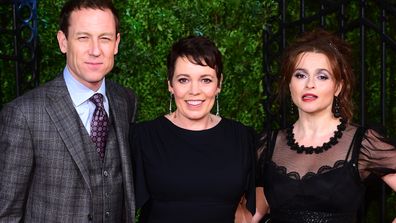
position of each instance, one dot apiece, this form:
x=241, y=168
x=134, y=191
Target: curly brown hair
x=338, y=53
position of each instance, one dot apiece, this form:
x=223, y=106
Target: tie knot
x=97, y=99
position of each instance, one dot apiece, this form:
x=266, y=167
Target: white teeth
x=194, y=102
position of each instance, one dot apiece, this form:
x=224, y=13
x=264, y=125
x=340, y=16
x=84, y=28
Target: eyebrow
x=322, y=69
x=184, y=75
x=317, y=70
x=301, y=69
x=89, y=34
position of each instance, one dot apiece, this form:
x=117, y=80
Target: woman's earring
x=291, y=107
x=335, y=108
x=217, y=105
x=170, y=102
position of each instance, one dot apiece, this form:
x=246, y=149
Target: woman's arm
x=242, y=214
x=390, y=179
x=262, y=206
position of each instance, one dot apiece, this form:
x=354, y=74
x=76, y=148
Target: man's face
x=90, y=45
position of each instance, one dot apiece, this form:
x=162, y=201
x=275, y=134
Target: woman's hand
x=242, y=214
x=262, y=206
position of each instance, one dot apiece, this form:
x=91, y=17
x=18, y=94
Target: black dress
x=192, y=176
x=326, y=187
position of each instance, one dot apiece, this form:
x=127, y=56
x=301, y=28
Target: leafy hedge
x=148, y=29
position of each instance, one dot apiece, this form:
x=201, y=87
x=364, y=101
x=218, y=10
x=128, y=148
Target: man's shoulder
x=118, y=89
x=36, y=95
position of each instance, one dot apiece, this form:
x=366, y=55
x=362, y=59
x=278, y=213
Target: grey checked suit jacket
x=43, y=170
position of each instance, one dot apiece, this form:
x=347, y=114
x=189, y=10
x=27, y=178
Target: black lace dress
x=325, y=187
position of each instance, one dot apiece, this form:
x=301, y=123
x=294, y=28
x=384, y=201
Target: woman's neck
x=206, y=122
x=314, y=130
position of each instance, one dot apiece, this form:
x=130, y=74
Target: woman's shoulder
x=233, y=122
x=160, y=120
x=237, y=125
x=369, y=131
x=144, y=127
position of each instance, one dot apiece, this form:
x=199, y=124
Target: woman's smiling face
x=195, y=88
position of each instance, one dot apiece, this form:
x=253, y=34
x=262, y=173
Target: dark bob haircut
x=198, y=50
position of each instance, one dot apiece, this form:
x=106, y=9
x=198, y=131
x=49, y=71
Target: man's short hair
x=74, y=5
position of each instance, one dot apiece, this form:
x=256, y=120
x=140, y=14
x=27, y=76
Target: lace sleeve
x=262, y=144
x=377, y=155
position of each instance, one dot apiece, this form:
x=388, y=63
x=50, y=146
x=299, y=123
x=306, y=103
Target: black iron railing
x=18, y=32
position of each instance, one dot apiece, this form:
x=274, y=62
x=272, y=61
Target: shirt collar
x=79, y=93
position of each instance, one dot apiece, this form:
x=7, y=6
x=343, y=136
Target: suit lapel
x=66, y=120
x=118, y=106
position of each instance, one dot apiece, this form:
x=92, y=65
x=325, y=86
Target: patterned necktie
x=99, y=125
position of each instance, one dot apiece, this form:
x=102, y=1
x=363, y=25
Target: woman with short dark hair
x=192, y=165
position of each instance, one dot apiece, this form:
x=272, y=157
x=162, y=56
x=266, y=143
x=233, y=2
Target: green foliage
x=148, y=29
x=7, y=69
x=51, y=60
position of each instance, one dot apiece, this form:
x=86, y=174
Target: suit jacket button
x=90, y=218
x=107, y=214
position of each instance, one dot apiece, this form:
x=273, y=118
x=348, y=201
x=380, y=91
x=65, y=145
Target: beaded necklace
x=291, y=141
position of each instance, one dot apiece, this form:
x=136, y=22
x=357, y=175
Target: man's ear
x=62, y=41
x=117, y=43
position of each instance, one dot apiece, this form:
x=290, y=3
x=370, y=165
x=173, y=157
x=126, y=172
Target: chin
x=96, y=78
x=196, y=116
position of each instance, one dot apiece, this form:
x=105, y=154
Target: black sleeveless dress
x=325, y=187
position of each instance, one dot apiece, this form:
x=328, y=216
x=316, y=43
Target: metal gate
x=18, y=48
x=370, y=25
x=371, y=29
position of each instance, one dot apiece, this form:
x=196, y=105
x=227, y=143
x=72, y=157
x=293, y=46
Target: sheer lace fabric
x=377, y=155
x=324, y=187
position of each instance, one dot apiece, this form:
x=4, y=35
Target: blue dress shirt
x=80, y=95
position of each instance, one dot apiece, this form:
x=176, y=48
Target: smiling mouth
x=194, y=102
x=93, y=63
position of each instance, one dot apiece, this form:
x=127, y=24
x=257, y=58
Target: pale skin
x=312, y=88
x=90, y=46
x=390, y=180
x=195, y=88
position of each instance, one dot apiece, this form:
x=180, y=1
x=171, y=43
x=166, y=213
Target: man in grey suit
x=64, y=150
